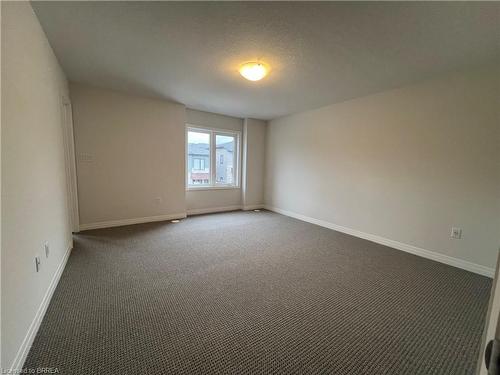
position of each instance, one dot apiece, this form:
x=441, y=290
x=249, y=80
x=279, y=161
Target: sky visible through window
x=194, y=137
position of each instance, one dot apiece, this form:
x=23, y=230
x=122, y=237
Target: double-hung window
x=212, y=158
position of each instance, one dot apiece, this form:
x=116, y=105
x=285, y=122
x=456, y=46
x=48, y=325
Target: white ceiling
x=319, y=53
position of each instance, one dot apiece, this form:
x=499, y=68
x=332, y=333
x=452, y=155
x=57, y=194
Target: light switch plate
x=456, y=233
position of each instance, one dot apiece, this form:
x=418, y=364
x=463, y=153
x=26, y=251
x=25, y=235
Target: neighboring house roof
x=198, y=149
x=203, y=149
x=229, y=146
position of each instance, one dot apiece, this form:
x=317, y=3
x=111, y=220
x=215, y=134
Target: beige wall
x=34, y=206
x=130, y=156
x=406, y=164
x=213, y=120
x=206, y=200
x=254, y=135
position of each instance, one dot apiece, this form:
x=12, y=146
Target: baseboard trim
x=22, y=353
x=456, y=262
x=210, y=210
x=139, y=220
x=253, y=207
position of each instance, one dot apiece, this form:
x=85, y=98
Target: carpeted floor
x=256, y=293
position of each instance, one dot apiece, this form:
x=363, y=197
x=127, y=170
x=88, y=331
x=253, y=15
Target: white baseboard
x=139, y=220
x=150, y=219
x=22, y=353
x=253, y=207
x=456, y=262
x=200, y=211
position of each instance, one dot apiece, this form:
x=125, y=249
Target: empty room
x=255, y=187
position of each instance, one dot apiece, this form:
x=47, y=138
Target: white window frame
x=213, y=132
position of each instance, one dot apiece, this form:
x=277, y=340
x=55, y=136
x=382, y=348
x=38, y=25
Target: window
x=212, y=158
x=198, y=167
x=198, y=164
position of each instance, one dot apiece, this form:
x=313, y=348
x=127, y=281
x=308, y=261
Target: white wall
x=405, y=164
x=206, y=200
x=34, y=206
x=136, y=151
x=254, y=147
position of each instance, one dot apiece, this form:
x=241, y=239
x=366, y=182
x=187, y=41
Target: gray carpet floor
x=256, y=293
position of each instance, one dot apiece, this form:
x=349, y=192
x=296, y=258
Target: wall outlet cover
x=456, y=233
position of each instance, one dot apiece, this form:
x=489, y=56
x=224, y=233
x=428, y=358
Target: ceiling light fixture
x=254, y=71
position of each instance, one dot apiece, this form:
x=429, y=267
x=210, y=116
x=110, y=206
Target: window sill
x=212, y=188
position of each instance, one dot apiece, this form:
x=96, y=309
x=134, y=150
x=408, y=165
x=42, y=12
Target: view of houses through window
x=224, y=145
x=200, y=151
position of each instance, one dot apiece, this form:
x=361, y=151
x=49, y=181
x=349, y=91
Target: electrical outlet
x=456, y=233
x=37, y=263
x=46, y=248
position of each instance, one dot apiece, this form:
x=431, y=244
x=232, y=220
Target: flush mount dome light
x=254, y=71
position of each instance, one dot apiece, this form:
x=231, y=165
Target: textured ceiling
x=319, y=53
